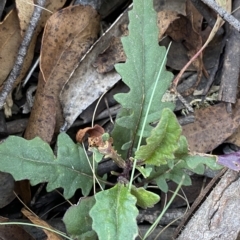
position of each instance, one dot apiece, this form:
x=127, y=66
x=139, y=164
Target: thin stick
x=8, y=84
x=224, y=14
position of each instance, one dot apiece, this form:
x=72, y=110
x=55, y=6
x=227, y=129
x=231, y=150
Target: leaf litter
x=95, y=74
x=64, y=43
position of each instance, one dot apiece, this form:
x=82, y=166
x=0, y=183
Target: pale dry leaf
x=25, y=10
x=8, y=106
x=86, y=84
x=225, y=4
x=10, y=39
x=50, y=7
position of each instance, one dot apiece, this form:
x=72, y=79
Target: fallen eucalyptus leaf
x=86, y=84
x=66, y=39
x=211, y=127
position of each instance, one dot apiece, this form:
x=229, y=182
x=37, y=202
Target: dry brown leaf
x=64, y=36
x=36, y=220
x=10, y=36
x=164, y=19
x=66, y=39
x=43, y=115
x=13, y=232
x=182, y=30
x=187, y=29
x=212, y=126
x=10, y=39
x=95, y=131
x=51, y=6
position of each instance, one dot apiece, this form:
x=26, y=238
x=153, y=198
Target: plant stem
x=164, y=210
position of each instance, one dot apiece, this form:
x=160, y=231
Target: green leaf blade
x=77, y=220
x=140, y=71
x=163, y=141
x=114, y=214
x=34, y=160
x=145, y=199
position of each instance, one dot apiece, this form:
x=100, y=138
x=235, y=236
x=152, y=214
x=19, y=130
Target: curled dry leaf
x=66, y=39
x=182, y=29
x=211, y=127
x=165, y=18
x=95, y=131
x=86, y=84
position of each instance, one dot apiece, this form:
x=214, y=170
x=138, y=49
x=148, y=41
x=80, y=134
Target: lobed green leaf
x=139, y=73
x=34, y=160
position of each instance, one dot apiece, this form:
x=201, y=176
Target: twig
x=223, y=13
x=8, y=84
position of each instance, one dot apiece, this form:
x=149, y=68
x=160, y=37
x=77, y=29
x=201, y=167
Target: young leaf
x=163, y=141
x=145, y=199
x=34, y=160
x=78, y=222
x=194, y=161
x=139, y=72
x=183, y=160
x=114, y=214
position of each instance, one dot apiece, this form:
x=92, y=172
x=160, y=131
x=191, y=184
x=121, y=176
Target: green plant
x=158, y=153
